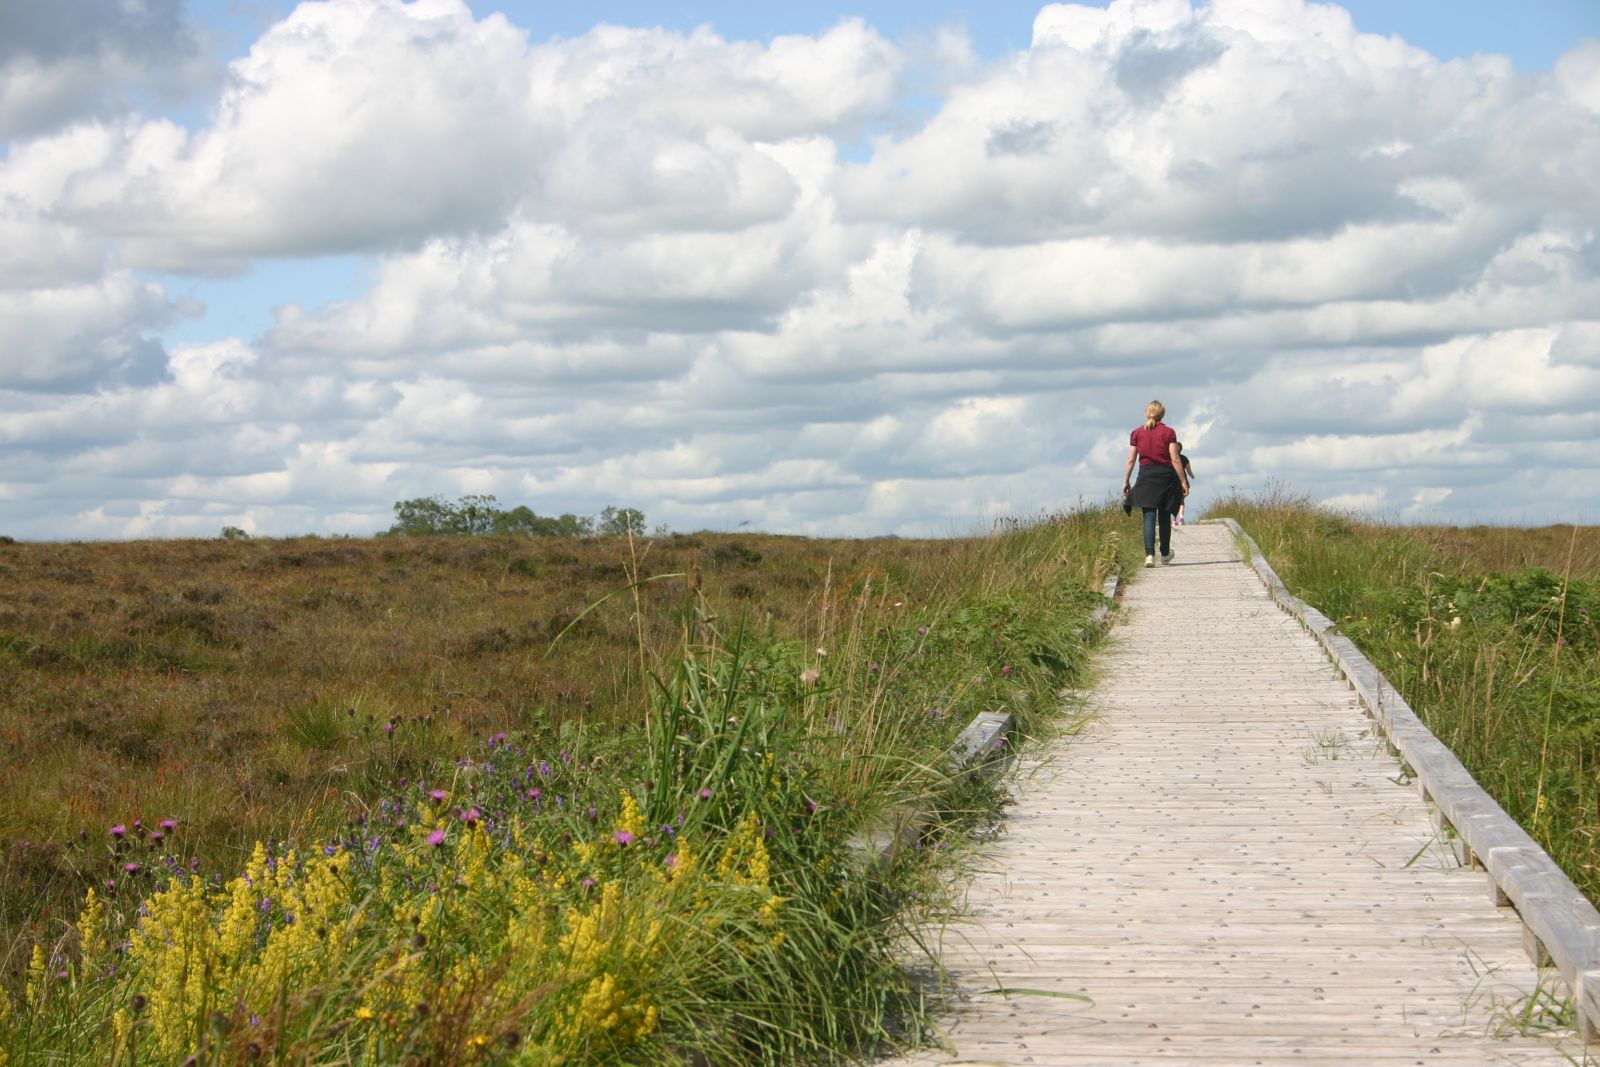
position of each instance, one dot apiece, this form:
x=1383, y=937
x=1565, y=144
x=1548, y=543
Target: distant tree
x=234, y=533
x=477, y=515
x=620, y=522
x=569, y=525
x=522, y=520
x=423, y=516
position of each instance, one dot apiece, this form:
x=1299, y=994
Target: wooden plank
x=1564, y=924
x=1228, y=863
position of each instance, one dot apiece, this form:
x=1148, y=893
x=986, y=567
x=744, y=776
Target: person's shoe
x=1168, y=557
x=1149, y=561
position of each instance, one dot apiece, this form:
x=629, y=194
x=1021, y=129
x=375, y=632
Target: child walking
x=1188, y=476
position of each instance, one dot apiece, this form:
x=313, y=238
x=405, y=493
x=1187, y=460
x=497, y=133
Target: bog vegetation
x=495, y=799
x=1492, y=635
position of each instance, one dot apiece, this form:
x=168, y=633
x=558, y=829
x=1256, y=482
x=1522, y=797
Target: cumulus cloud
x=362, y=125
x=640, y=266
x=62, y=62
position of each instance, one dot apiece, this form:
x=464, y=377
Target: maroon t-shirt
x=1152, y=444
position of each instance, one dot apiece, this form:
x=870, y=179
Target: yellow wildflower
x=38, y=977
x=745, y=860
x=472, y=856
x=631, y=819
x=91, y=931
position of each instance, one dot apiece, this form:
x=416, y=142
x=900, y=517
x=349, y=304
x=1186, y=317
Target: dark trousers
x=1151, y=517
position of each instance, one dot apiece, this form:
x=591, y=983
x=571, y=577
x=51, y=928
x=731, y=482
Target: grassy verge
x=505, y=817
x=1491, y=634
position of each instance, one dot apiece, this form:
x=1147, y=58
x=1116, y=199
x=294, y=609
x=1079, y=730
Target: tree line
x=477, y=515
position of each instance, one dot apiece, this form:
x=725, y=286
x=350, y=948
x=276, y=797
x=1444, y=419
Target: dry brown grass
x=1496, y=549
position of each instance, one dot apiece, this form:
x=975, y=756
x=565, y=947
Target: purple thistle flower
x=671, y=861
x=1006, y=671
x=922, y=630
x=118, y=831
x=471, y=816
x=156, y=836
x=436, y=838
x=438, y=795
x=705, y=793
x=498, y=739
x=622, y=837
x=132, y=868
x=169, y=825
x=587, y=883
x=388, y=727
x=535, y=794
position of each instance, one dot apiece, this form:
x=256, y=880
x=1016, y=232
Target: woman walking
x=1161, y=486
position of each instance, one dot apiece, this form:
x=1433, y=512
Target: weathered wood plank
x=1231, y=866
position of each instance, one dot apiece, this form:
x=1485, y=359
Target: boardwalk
x=1227, y=865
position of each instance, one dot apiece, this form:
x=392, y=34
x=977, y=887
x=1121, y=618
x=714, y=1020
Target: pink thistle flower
x=622, y=837
x=132, y=868
x=1006, y=670
x=705, y=793
x=118, y=831
x=436, y=838
x=169, y=825
x=438, y=795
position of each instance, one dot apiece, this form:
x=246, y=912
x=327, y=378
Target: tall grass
x=662, y=874
x=1491, y=634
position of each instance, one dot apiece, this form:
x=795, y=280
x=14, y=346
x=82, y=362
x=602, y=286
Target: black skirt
x=1158, y=487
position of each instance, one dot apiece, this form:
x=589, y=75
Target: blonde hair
x=1154, y=412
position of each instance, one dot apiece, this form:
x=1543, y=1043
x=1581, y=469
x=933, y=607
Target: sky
x=805, y=268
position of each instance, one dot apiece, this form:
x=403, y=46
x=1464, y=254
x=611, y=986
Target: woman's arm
x=1177, y=465
x=1127, y=472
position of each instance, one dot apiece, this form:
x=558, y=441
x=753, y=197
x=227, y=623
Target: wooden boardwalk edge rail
x=972, y=752
x=1560, y=925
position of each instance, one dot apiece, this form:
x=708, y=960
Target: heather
x=497, y=799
